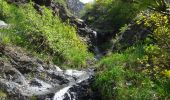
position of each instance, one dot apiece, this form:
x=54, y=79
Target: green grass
x=119, y=78
x=44, y=33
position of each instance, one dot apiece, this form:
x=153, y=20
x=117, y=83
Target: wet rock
x=23, y=77
x=35, y=82
x=2, y=47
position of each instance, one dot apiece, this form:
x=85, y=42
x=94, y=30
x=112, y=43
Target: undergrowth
x=142, y=71
x=120, y=77
x=44, y=33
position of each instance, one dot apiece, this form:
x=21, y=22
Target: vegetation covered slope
x=109, y=15
x=141, y=71
x=138, y=68
x=44, y=33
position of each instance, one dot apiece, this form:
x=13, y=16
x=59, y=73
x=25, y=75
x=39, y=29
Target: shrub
x=120, y=77
x=114, y=13
x=46, y=34
x=158, y=54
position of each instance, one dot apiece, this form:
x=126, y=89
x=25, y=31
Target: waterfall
x=60, y=95
x=2, y=23
x=98, y=54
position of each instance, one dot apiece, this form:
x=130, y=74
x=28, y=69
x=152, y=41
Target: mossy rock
x=33, y=98
x=3, y=95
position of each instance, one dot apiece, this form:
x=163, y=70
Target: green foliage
x=114, y=13
x=157, y=60
x=45, y=33
x=63, y=2
x=120, y=77
x=86, y=8
x=4, y=38
x=142, y=72
x=161, y=5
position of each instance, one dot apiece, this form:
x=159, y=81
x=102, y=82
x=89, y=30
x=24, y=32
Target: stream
x=23, y=76
x=97, y=51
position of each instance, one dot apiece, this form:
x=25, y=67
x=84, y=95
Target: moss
x=33, y=98
x=2, y=94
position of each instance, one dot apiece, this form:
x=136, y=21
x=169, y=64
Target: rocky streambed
x=25, y=77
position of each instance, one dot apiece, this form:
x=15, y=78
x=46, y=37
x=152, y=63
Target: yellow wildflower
x=166, y=73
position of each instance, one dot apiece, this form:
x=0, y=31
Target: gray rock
x=75, y=6
x=24, y=76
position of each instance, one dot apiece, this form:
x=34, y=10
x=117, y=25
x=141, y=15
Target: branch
x=162, y=12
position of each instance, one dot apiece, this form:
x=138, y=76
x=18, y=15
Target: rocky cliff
x=75, y=6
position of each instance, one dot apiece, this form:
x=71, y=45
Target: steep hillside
x=136, y=65
x=34, y=36
x=47, y=31
x=120, y=51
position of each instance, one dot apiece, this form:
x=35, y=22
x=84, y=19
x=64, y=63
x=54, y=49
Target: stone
x=21, y=78
x=75, y=6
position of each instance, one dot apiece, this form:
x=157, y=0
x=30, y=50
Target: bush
x=114, y=13
x=158, y=54
x=120, y=77
x=111, y=77
x=140, y=72
x=45, y=33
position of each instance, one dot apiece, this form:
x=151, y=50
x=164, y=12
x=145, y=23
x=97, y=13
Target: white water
x=95, y=34
x=74, y=73
x=2, y=24
x=61, y=94
x=96, y=49
x=98, y=54
x=80, y=75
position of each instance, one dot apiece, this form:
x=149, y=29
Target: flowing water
x=46, y=82
x=97, y=52
x=65, y=92
x=23, y=80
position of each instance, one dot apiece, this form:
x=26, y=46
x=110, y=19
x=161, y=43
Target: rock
x=75, y=6
x=35, y=82
x=23, y=77
x=2, y=47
